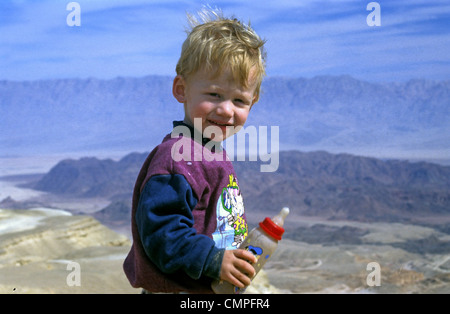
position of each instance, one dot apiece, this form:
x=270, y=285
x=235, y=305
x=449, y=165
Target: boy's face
x=218, y=101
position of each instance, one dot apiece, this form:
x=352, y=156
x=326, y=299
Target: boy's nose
x=225, y=108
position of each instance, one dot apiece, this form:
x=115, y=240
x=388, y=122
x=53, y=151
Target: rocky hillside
x=37, y=246
x=91, y=177
x=314, y=184
x=51, y=251
x=348, y=187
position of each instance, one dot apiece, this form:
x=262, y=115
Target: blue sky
x=305, y=38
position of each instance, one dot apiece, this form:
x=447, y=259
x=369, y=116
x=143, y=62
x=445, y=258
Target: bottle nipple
x=279, y=219
x=274, y=227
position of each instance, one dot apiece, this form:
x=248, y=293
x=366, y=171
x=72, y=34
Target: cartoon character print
x=231, y=226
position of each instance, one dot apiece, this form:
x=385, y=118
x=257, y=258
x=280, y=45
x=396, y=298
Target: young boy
x=187, y=214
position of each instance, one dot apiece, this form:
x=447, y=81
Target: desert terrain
x=48, y=251
x=301, y=267
x=316, y=255
x=39, y=245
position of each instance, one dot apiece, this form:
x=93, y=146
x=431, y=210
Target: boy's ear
x=179, y=89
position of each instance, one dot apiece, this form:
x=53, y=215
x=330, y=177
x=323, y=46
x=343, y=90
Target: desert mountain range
x=346, y=211
x=316, y=255
x=321, y=184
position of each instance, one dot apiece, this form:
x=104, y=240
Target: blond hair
x=218, y=43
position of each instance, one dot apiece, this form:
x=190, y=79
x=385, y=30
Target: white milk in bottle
x=262, y=241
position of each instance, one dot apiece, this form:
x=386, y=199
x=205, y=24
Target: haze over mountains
x=337, y=114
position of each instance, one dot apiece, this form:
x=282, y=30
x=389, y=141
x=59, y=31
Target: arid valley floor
x=315, y=256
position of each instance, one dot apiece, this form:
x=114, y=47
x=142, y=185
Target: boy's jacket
x=187, y=208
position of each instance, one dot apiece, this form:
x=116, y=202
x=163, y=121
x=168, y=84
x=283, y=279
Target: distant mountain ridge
x=91, y=177
x=343, y=186
x=333, y=186
x=333, y=113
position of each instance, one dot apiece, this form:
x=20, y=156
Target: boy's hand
x=236, y=267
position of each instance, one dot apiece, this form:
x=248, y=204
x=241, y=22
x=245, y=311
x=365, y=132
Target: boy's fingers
x=235, y=282
x=243, y=280
x=245, y=268
x=246, y=255
x=241, y=271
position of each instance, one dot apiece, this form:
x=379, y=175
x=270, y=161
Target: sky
x=305, y=38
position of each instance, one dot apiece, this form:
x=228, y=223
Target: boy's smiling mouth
x=219, y=123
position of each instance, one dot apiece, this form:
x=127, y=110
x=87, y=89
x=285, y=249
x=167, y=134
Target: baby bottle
x=262, y=241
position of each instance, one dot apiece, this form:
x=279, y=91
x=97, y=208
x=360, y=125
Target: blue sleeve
x=165, y=224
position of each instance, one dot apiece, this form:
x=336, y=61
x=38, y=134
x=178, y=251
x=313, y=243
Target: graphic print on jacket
x=231, y=226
